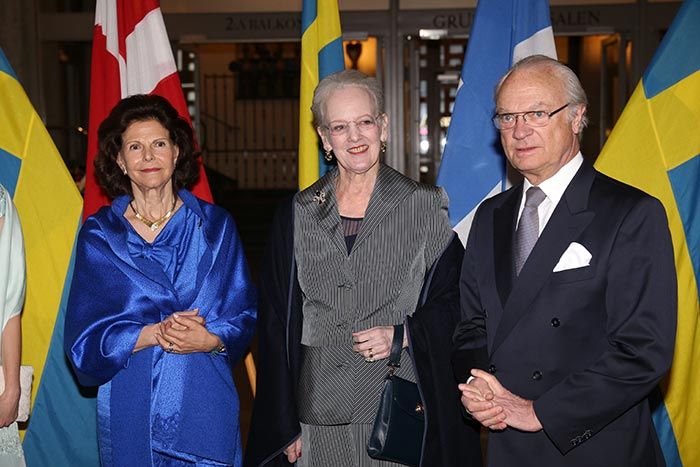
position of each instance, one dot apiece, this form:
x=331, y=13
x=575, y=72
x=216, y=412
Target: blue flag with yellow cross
x=62, y=425
x=655, y=146
x=321, y=55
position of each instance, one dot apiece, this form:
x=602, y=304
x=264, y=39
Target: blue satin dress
x=174, y=255
x=157, y=408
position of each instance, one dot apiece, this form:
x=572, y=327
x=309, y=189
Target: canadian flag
x=131, y=55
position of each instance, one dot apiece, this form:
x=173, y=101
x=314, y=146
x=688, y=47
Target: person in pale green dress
x=12, y=288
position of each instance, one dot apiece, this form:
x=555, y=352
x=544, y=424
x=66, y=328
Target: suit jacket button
x=537, y=375
x=555, y=322
x=492, y=369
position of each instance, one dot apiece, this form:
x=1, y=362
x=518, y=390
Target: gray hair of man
x=575, y=94
x=340, y=80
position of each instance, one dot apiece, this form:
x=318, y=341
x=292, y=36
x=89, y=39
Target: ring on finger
x=371, y=355
x=170, y=347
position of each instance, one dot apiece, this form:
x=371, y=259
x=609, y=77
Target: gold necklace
x=153, y=225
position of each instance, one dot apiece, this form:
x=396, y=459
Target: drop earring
x=329, y=155
x=382, y=147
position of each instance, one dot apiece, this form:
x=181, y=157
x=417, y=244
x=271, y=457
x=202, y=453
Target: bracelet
x=219, y=349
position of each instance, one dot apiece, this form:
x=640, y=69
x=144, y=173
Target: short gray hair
x=572, y=85
x=340, y=80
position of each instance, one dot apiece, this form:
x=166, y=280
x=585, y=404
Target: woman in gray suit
x=361, y=251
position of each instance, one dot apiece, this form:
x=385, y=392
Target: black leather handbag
x=397, y=434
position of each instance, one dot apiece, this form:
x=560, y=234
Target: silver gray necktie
x=528, y=227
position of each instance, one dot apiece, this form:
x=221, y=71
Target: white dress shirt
x=553, y=188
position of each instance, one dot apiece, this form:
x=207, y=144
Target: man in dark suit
x=568, y=293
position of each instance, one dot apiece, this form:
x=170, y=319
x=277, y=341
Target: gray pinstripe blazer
x=404, y=231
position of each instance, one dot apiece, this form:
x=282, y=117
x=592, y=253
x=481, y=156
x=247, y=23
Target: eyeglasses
x=533, y=118
x=340, y=127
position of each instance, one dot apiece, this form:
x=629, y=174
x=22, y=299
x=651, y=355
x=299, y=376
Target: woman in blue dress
x=161, y=304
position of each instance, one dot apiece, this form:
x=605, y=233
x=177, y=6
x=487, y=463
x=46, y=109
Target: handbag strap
x=396, y=346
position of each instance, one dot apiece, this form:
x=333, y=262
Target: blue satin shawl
x=184, y=406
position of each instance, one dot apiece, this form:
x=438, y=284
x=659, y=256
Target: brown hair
x=140, y=108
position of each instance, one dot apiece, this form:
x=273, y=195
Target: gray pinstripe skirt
x=338, y=386
x=337, y=446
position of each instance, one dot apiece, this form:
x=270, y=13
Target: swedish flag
x=49, y=208
x=321, y=55
x=655, y=146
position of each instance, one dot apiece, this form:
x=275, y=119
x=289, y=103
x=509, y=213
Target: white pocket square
x=576, y=256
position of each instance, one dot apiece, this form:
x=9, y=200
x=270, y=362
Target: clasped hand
x=495, y=407
x=182, y=332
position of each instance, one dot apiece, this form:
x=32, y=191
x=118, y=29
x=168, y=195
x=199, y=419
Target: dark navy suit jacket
x=587, y=344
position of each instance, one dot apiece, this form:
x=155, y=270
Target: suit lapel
x=503, y=232
x=389, y=191
x=568, y=220
x=319, y=201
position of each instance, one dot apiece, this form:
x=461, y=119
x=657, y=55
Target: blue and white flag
x=473, y=166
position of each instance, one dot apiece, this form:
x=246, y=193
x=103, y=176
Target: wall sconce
x=361, y=54
x=354, y=50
